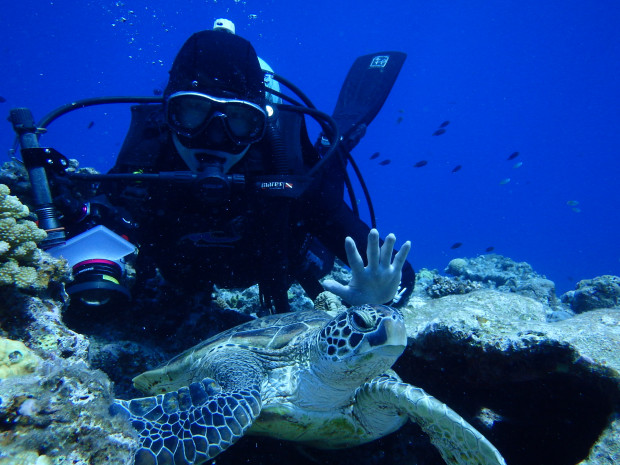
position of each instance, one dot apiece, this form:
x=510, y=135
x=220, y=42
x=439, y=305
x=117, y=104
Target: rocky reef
x=493, y=271
x=53, y=405
x=59, y=414
x=536, y=374
x=600, y=292
x=553, y=385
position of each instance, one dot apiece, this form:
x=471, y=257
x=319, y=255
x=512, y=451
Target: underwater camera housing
x=97, y=259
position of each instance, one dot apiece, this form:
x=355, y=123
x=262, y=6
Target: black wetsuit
x=250, y=237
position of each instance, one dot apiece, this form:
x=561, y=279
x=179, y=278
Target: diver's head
x=215, y=100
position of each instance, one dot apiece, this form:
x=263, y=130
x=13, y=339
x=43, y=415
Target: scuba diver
x=241, y=195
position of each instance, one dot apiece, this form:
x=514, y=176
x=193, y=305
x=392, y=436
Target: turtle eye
x=362, y=320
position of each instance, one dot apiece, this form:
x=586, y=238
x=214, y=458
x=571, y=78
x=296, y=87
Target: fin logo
x=380, y=61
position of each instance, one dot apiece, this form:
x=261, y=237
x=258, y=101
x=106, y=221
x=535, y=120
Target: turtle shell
x=273, y=334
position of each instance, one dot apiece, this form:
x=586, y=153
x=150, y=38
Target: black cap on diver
x=217, y=63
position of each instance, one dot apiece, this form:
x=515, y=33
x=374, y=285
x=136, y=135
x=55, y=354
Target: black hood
x=217, y=63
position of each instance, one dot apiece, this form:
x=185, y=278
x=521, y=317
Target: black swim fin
x=364, y=92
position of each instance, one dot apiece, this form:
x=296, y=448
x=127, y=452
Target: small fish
x=439, y=132
x=456, y=168
x=2, y=99
x=91, y=124
x=572, y=203
x=504, y=181
x=385, y=162
x=517, y=165
x=375, y=155
x=513, y=155
x=420, y=164
x=399, y=120
x=489, y=249
x=157, y=91
x=444, y=124
x=576, y=209
x=456, y=245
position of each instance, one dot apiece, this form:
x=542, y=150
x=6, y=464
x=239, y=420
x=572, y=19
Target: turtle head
x=360, y=343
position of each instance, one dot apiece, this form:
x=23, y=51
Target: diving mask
x=189, y=114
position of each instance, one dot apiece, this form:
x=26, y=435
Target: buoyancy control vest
x=285, y=151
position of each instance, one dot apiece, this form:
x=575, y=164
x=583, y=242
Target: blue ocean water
x=538, y=78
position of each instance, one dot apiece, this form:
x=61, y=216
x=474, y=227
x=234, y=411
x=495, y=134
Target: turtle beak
x=397, y=332
x=397, y=336
x=390, y=338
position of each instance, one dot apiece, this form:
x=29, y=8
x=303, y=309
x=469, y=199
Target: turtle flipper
x=458, y=442
x=191, y=425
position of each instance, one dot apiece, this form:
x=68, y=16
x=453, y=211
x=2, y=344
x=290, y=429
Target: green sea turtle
x=309, y=376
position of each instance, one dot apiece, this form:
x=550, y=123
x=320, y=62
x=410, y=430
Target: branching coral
x=22, y=263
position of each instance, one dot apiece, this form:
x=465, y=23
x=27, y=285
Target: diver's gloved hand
x=376, y=283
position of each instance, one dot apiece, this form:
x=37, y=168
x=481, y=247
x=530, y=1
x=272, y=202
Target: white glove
x=376, y=283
